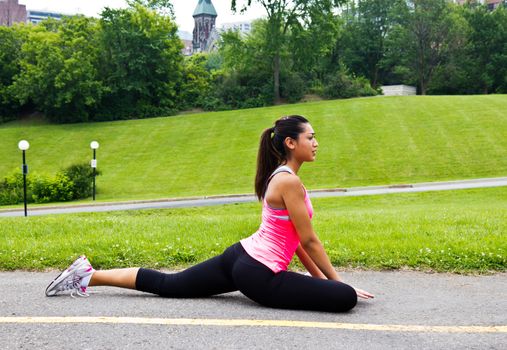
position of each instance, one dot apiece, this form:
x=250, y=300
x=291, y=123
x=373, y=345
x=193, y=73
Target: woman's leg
x=124, y=278
x=296, y=291
x=208, y=278
x=289, y=290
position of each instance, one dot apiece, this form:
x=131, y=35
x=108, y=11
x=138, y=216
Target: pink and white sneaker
x=75, y=279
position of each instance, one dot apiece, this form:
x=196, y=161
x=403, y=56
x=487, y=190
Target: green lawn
x=458, y=231
x=364, y=141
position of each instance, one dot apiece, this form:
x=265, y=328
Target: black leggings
x=236, y=270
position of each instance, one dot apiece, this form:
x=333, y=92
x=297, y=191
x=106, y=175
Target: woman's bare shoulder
x=286, y=181
x=281, y=186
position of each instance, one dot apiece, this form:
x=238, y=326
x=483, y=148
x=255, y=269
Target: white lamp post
x=94, y=145
x=23, y=145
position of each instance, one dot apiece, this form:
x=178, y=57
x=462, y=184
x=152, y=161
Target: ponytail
x=268, y=159
x=272, y=152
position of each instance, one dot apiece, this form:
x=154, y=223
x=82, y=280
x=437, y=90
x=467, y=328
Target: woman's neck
x=294, y=165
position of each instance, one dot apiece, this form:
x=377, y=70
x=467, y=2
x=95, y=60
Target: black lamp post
x=94, y=145
x=23, y=145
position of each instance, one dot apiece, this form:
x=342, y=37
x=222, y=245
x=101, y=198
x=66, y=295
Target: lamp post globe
x=23, y=145
x=94, y=145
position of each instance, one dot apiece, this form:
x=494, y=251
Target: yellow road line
x=254, y=323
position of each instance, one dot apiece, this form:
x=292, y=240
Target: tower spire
x=204, y=19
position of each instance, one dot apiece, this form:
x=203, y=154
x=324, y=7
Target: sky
x=183, y=9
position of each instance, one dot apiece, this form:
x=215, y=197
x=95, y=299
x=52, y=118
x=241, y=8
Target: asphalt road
x=472, y=307
x=218, y=200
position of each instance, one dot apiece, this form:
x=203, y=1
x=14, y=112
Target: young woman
x=257, y=265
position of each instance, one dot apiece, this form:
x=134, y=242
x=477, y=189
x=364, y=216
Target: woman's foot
x=75, y=279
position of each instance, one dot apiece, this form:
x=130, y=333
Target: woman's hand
x=363, y=294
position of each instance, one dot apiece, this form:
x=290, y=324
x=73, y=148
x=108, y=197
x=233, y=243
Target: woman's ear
x=290, y=143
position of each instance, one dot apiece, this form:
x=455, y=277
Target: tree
x=499, y=56
x=11, y=39
x=311, y=45
x=430, y=38
x=487, y=48
x=453, y=76
x=59, y=69
x=127, y=65
x=244, y=79
x=281, y=14
x=368, y=24
x=141, y=61
x=196, y=85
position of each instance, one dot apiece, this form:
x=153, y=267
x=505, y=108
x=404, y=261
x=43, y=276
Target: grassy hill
x=365, y=141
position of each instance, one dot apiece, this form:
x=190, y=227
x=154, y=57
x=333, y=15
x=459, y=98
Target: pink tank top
x=276, y=241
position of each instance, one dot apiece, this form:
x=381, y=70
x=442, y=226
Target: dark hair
x=272, y=150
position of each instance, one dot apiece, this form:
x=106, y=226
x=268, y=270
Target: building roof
x=205, y=7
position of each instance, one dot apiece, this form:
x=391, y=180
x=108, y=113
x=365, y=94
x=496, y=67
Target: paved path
x=412, y=310
x=217, y=200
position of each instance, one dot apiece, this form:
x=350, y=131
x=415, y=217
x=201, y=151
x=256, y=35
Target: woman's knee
x=348, y=299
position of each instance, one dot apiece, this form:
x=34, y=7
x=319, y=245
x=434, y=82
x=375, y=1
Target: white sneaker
x=72, y=279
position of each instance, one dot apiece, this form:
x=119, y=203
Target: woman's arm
x=314, y=255
x=308, y=263
x=294, y=199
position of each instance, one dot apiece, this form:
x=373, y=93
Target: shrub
x=81, y=176
x=74, y=182
x=292, y=87
x=7, y=107
x=52, y=189
x=341, y=85
x=239, y=90
x=316, y=87
x=11, y=189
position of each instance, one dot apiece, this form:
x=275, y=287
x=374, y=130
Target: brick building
x=11, y=12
